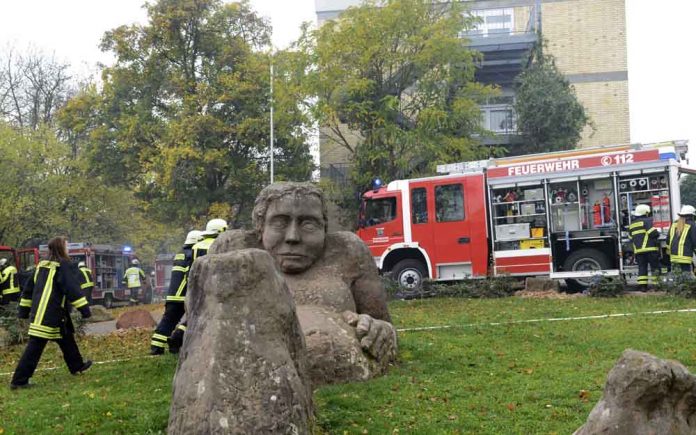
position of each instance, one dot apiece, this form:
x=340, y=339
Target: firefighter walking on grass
x=682, y=241
x=176, y=295
x=133, y=278
x=645, y=246
x=46, y=301
x=213, y=228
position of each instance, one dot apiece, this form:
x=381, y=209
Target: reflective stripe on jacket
x=10, y=281
x=44, y=299
x=681, y=246
x=201, y=248
x=643, y=235
x=179, y=279
x=132, y=276
x=86, y=278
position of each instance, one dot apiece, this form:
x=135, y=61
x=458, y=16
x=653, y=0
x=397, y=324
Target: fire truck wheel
x=584, y=260
x=108, y=300
x=409, y=274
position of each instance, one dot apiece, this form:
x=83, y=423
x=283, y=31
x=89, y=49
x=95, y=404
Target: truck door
x=459, y=227
x=381, y=222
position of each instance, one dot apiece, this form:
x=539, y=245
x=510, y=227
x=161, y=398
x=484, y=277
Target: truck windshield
x=380, y=210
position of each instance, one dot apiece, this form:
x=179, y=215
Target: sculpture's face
x=293, y=232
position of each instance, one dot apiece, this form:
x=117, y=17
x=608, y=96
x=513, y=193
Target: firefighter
x=645, y=245
x=46, y=302
x=213, y=228
x=86, y=281
x=682, y=241
x=176, y=295
x=9, y=282
x=132, y=277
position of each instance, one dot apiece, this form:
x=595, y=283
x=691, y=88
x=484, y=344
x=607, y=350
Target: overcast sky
x=661, y=70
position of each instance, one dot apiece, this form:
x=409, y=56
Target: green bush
x=680, y=284
x=607, y=287
x=488, y=288
x=17, y=328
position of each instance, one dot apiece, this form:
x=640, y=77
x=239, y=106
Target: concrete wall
x=588, y=40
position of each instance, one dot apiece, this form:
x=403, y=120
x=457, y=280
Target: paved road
x=101, y=328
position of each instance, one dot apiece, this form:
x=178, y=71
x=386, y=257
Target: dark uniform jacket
x=681, y=246
x=9, y=286
x=47, y=298
x=179, y=278
x=86, y=280
x=643, y=235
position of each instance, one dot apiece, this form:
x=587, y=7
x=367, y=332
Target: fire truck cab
x=564, y=215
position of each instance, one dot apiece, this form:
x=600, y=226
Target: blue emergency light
x=376, y=183
x=127, y=249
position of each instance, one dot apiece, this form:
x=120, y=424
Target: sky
x=661, y=63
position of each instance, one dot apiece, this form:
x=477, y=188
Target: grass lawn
x=520, y=378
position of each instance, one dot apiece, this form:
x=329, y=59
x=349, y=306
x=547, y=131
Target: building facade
x=587, y=38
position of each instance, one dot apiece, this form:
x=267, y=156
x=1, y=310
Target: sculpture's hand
x=376, y=336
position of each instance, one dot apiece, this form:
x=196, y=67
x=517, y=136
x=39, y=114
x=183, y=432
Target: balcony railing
x=502, y=21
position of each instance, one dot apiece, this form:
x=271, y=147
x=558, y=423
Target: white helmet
x=216, y=226
x=641, y=210
x=81, y=264
x=3, y=261
x=687, y=210
x=135, y=262
x=193, y=236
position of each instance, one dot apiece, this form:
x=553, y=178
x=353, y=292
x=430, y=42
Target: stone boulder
x=243, y=365
x=99, y=314
x=135, y=319
x=645, y=395
x=333, y=349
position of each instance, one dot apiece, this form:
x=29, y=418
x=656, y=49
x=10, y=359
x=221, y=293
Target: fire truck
x=108, y=264
x=163, y=274
x=562, y=215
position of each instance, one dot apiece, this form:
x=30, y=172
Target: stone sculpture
x=274, y=312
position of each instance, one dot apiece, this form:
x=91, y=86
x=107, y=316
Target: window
x=493, y=22
x=449, y=203
x=379, y=211
x=419, y=206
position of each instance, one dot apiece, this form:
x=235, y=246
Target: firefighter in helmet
x=9, y=282
x=645, y=245
x=213, y=228
x=134, y=277
x=46, y=301
x=176, y=295
x=86, y=281
x=682, y=240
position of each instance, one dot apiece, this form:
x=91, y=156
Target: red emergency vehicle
x=163, y=274
x=563, y=215
x=108, y=264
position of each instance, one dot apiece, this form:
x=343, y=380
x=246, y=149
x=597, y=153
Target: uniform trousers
x=32, y=354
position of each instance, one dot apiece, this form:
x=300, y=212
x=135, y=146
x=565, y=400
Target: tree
x=46, y=192
x=687, y=188
x=549, y=115
x=398, y=74
x=183, y=115
x=33, y=86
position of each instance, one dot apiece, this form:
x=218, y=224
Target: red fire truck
x=108, y=264
x=163, y=273
x=563, y=215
